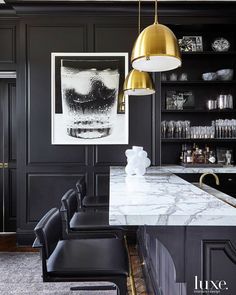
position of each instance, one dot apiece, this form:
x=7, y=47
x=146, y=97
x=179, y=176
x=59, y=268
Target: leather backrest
x=70, y=203
x=49, y=231
x=81, y=187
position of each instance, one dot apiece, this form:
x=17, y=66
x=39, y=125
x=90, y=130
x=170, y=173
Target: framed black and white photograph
x=179, y=100
x=224, y=155
x=86, y=89
x=191, y=43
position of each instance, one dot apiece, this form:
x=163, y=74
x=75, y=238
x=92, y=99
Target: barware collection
x=183, y=129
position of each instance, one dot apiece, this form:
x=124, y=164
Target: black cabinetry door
x=227, y=183
x=8, y=155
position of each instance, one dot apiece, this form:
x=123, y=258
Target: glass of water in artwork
x=89, y=100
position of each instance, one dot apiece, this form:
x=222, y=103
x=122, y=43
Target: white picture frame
x=75, y=110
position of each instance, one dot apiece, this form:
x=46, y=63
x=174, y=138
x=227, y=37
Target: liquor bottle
x=189, y=157
x=200, y=157
x=195, y=153
x=212, y=157
x=183, y=156
x=207, y=154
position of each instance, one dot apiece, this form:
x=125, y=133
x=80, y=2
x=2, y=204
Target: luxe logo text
x=209, y=287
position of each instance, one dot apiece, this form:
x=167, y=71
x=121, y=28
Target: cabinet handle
x=5, y=165
x=230, y=179
x=1, y=165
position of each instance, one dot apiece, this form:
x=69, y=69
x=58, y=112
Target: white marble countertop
x=181, y=169
x=162, y=198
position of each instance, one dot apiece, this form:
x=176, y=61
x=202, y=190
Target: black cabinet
x=175, y=256
x=227, y=181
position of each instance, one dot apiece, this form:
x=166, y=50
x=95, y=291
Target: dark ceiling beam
x=170, y=8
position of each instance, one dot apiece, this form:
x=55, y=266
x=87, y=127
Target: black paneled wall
x=48, y=171
x=45, y=171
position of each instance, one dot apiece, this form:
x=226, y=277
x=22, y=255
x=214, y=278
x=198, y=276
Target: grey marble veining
x=181, y=169
x=162, y=198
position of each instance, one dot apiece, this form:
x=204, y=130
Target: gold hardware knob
x=5, y=165
x=1, y=165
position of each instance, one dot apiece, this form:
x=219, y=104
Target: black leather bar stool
x=94, y=202
x=87, y=223
x=80, y=260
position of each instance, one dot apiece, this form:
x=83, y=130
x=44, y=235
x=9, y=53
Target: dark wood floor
x=8, y=244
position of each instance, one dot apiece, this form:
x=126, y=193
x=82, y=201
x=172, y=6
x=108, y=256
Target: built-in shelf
x=200, y=82
x=200, y=111
x=209, y=53
x=173, y=140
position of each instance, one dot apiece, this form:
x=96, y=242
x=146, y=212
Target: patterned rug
x=20, y=273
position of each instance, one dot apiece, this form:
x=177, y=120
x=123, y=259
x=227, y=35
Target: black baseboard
x=24, y=238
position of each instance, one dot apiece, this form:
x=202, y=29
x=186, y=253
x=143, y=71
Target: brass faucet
x=204, y=174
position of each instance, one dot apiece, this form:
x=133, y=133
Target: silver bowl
x=209, y=76
x=225, y=74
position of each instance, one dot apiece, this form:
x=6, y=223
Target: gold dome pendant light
x=156, y=49
x=136, y=82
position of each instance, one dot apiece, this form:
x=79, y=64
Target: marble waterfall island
x=162, y=198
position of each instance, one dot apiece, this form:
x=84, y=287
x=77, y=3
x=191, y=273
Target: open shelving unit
x=198, y=140
x=194, y=64
x=198, y=82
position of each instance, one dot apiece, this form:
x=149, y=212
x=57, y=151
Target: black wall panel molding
x=57, y=38
x=46, y=188
x=8, y=44
x=8, y=32
x=211, y=247
x=101, y=181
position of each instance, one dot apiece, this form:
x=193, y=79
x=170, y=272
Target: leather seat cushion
x=90, y=257
x=98, y=219
x=92, y=201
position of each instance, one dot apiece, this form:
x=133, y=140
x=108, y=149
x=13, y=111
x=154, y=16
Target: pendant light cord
x=156, y=18
x=139, y=16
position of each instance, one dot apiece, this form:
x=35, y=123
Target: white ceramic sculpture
x=137, y=161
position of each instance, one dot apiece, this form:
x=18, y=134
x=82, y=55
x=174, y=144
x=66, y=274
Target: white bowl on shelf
x=225, y=74
x=209, y=76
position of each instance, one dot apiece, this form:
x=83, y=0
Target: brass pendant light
x=137, y=82
x=156, y=49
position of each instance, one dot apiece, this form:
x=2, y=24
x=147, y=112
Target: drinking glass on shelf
x=178, y=129
x=171, y=129
x=202, y=132
x=186, y=129
x=225, y=128
x=163, y=129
